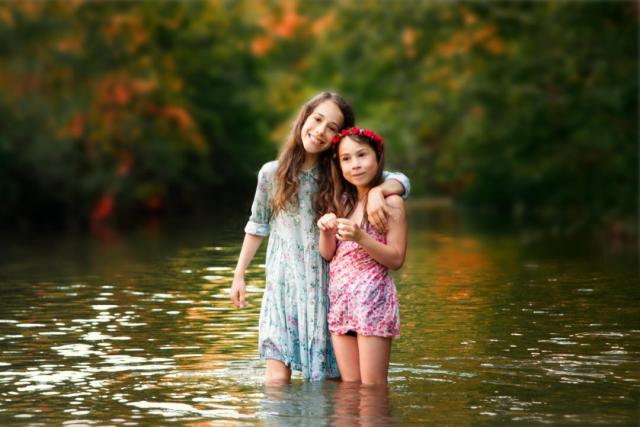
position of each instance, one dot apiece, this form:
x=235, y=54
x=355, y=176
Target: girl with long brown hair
x=291, y=192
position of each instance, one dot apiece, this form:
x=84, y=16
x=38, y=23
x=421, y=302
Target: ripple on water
x=188, y=356
x=76, y=350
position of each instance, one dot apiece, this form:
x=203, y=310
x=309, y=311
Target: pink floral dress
x=362, y=295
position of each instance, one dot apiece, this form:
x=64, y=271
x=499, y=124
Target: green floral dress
x=293, y=318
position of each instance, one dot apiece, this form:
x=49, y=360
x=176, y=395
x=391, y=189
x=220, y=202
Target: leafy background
x=113, y=112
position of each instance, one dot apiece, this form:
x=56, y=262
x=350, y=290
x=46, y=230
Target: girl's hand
x=237, y=292
x=377, y=210
x=348, y=230
x=327, y=222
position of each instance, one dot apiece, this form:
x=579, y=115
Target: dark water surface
x=497, y=329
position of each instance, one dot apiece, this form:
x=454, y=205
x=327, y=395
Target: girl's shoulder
x=268, y=169
x=395, y=201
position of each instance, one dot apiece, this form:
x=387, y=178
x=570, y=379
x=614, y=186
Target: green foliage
x=125, y=109
x=556, y=138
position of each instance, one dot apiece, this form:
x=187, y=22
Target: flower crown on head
x=371, y=135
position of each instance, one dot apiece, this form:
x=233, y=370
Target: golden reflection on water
x=488, y=330
x=441, y=300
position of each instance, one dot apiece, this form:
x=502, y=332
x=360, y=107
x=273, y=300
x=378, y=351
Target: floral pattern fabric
x=362, y=294
x=293, y=318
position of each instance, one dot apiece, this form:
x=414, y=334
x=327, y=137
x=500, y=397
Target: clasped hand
x=344, y=229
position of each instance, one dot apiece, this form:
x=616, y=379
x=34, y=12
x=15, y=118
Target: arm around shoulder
x=396, y=183
x=397, y=232
x=396, y=202
x=392, y=253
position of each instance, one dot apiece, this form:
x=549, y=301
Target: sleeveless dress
x=293, y=324
x=362, y=295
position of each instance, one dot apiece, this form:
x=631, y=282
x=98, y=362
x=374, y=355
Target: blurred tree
x=526, y=110
x=125, y=108
x=550, y=128
x=112, y=110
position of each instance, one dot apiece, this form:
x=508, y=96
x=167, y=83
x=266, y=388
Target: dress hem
x=364, y=334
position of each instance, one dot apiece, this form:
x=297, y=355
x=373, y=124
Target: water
x=138, y=330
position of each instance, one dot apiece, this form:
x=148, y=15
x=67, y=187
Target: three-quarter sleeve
x=402, y=179
x=258, y=223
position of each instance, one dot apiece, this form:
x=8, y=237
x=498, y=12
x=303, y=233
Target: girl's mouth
x=315, y=140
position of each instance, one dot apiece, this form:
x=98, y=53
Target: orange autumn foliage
x=77, y=124
x=289, y=22
x=458, y=44
x=495, y=46
x=323, y=24
x=468, y=17
x=31, y=8
x=182, y=118
x=113, y=92
x=462, y=42
x=284, y=26
x=6, y=17
x=409, y=41
x=70, y=44
x=130, y=26
x=125, y=163
x=103, y=208
x=154, y=202
x=179, y=115
x=140, y=86
x=119, y=91
x=261, y=45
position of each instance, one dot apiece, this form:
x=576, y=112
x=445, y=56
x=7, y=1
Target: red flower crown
x=371, y=135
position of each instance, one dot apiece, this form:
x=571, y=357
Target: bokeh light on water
x=139, y=331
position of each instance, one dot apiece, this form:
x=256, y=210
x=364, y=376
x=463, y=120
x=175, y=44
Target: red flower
x=371, y=135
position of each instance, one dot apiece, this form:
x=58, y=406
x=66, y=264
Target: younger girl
x=291, y=193
x=363, y=310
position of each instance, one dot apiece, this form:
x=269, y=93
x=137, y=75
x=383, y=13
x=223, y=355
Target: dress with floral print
x=293, y=318
x=362, y=294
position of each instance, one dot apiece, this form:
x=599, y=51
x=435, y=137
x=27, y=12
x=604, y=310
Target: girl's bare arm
x=391, y=254
x=378, y=210
x=250, y=246
x=327, y=225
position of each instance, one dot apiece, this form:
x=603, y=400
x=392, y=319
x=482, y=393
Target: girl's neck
x=362, y=193
x=358, y=210
x=310, y=160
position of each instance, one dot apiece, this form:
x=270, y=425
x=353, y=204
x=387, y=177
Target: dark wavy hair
x=345, y=195
x=292, y=157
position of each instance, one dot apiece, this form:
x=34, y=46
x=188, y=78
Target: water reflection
x=331, y=403
x=361, y=405
x=140, y=332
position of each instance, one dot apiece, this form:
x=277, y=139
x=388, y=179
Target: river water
x=497, y=329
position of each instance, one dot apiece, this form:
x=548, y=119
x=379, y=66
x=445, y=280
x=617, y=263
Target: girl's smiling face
x=322, y=124
x=358, y=162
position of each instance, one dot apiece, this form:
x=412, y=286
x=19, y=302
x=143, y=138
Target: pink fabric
x=362, y=295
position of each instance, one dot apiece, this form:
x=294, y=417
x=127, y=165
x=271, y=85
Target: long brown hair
x=292, y=157
x=345, y=194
